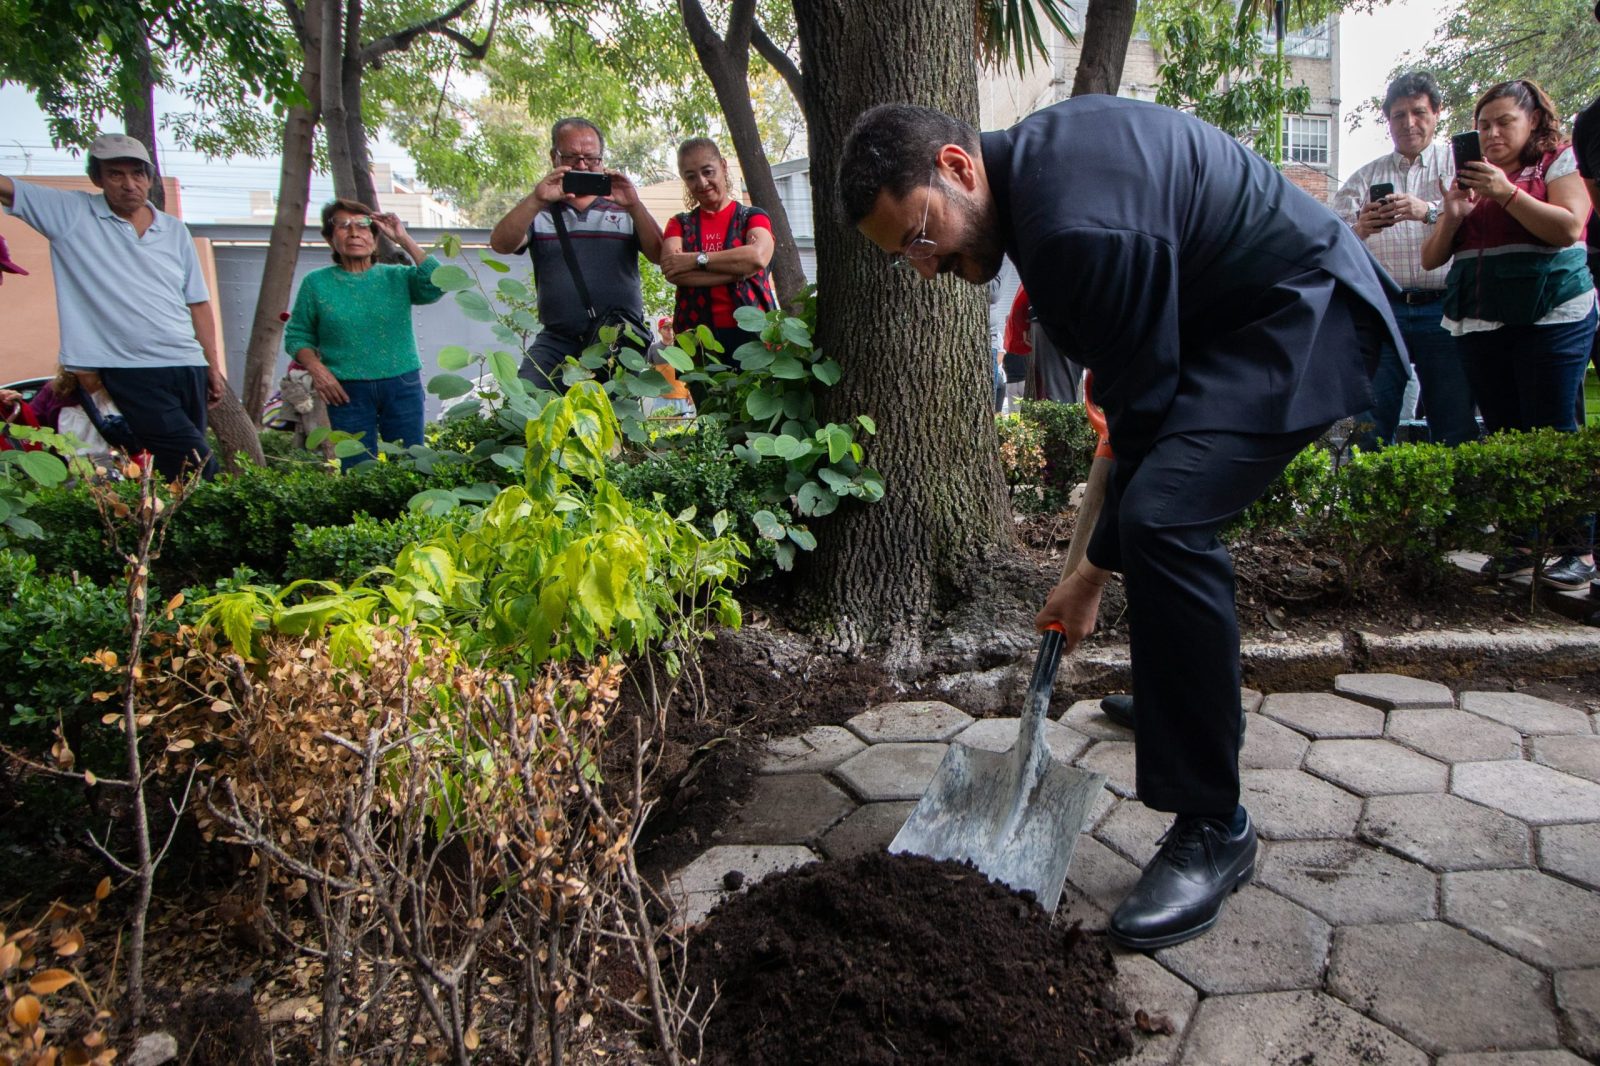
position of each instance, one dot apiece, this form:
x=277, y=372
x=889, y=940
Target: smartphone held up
x=1466, y=148
x=586, y=183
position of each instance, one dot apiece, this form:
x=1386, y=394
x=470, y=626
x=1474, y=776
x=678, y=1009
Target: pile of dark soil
x=897, y=959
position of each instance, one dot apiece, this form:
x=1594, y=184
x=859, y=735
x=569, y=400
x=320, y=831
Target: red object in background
x=6, y=265
x=1016, y=338
x=24, y=415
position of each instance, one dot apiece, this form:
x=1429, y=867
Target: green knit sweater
x=360, y=324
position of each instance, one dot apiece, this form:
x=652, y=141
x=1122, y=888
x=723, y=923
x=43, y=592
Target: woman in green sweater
x=351, y=328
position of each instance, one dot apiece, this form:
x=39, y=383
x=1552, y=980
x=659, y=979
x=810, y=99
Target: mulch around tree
x=900, y=959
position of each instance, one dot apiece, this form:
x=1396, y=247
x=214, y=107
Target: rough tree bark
x=335, y=117
x=139, y=110
x=288, y=225
x=1107, y=28
x=915, y=354
x=726, y=61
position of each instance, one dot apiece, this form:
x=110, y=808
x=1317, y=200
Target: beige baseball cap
x=118, y=146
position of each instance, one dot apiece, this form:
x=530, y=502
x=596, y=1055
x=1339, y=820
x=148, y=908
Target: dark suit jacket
x=1204, y=289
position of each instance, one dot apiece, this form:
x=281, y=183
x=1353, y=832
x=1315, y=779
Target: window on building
x=1311, y=42
x=1305, y=139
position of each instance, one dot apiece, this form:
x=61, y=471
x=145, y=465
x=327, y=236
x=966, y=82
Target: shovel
x=1016, y=815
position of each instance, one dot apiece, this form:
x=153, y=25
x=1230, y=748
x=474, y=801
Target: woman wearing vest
x=1519, y=298
x=717, y=253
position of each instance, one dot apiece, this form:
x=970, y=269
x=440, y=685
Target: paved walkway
x=1428, y=887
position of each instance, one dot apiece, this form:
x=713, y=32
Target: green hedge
x=246, y=519
x=343, y=553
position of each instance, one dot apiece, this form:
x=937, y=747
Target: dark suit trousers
x=1183, y=629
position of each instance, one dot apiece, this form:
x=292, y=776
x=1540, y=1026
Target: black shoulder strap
x=572, y=261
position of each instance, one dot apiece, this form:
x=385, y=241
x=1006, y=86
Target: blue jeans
x=381, y=409
x=1377, y=425
x=1447, y=397
x=1531, y=377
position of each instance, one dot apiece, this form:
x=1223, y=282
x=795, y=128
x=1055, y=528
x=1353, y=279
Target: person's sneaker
x=1512, y=564
x=1181, y=892
x=1568, y=572
x=1118, y=707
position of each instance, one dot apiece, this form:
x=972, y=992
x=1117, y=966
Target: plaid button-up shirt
x=1399, y=248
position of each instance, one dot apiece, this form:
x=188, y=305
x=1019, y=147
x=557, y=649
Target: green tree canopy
x=1553, y=42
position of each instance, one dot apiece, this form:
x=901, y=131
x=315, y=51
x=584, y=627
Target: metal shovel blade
x=1015, y=814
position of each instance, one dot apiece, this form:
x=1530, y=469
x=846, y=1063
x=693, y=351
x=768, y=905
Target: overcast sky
x=1370, y=45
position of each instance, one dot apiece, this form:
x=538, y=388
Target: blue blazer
x=1204, y=289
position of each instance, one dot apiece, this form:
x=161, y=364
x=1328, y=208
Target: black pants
x=1183, y=629
x=165, y=407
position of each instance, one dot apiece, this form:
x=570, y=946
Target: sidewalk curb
x=1309, y=663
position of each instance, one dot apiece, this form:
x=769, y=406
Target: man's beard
x=983, y=245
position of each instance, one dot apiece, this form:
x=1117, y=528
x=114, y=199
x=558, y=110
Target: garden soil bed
x=892, y=959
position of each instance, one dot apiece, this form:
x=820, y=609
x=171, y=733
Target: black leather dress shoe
x=1119, y=708
x=1182, y=890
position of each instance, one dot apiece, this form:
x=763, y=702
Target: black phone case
x=586, y=183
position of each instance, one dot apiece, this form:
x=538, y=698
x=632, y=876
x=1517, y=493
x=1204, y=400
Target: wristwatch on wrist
x=701, y=260
x=1432, y=216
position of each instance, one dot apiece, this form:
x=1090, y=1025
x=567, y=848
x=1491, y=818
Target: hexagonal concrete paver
x=1536, y=794
x=1100, y=875
x=816, y=751
x=1578, y=1001
x=1086, y=717
x=1283, y=1028
x=1512, y=1058
x=1536, y=917
x=1269, y=745
x=1114, y=758
x=1293, y=805
x=909, y=721
x=1446, y=832
x=703, y=883
x=1454, y=736
x=1441, y=988
x=1322, y=716
x=1526, y=714
x=1143, y=984
x=999, y=734
x=1349, y=884
x=1261, y=943
x=1133, y=830
x=788, y=809
x=1391, y=691
x=1375, y=767
x=1573, y=851
x=890, y=771
x=869, y=828
x=1575, y=755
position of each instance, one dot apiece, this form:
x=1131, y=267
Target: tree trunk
x=915, y=354
x=727, y=64
x=288, y=226
x=139, y=110
x=335, y=119
x=355, y=126
x=236, y=434
x=1107, y=28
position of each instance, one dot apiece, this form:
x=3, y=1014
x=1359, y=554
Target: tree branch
x=400, y=40
x=779, y=61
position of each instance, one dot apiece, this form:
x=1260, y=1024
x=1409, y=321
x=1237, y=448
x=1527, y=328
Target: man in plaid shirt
x=1394, y=227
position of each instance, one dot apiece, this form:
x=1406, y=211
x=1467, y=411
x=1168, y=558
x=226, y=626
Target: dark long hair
x=1547, y=135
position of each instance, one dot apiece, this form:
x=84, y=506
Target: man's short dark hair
x=1414, y=83
x=96, y=169
x=581, y=123
x=891, y=150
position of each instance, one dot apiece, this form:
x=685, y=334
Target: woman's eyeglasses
x=346, y=224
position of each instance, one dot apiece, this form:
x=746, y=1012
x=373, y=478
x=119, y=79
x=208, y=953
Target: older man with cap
x=132, y=302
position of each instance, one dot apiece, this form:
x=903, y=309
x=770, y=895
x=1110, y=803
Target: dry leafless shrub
x=449, y=833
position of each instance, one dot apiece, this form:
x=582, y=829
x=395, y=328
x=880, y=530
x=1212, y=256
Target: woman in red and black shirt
x=716, y=254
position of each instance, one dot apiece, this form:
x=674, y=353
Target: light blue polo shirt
x=123, y=300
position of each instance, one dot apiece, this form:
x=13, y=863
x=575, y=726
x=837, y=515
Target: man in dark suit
x=1228, y=320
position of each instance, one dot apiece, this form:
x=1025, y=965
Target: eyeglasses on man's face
x=580, y=160
x=345, y=225
x=920, y=247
